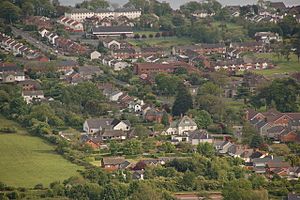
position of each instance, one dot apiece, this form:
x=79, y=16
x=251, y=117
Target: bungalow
x=95, y=125
x=114, y=163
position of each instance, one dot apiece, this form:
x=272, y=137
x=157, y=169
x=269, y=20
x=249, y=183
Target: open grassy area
x=26, y=160
x=283, y=66
x=161, y=42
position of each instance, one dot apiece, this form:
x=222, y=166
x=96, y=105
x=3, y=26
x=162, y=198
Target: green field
x=161, y=42
x=26, y=160
x=283, y=66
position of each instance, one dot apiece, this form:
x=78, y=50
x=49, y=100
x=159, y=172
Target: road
x=38, y=44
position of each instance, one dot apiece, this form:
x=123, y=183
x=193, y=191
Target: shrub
x=39, y=186
x=8, y=130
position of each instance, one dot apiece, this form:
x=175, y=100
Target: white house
x=95, y=55
x=35, y=95
x=119, y=65
x=184, y=125
x=94, y=125
x=81, y=14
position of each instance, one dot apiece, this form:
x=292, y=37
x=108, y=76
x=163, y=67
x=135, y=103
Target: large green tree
x=9, y=11
x=282, y=93
x=183, y=101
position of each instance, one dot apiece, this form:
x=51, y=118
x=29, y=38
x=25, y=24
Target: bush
x=8, y=130
x=39, y=186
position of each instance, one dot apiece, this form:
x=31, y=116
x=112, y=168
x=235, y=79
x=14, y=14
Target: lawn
x=26, y=160
x=283, y=66
x=167, y=42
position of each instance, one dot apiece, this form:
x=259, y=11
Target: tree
x=136, y=36
x=183, y=101
x=168, y=147
x=9, y=11
x=141, y=132
x=256, y=141
x=80, y=60
x=164, y=120
x=132, y=147
x=114, y=147
x=243, y=92
x=206, y=149
x=286, y=50
x=146, y=192
x=209, y=88
x=166, y=84
x=258, y=181
x=203, y=119
x=237, y=189
x=178, y=20
x=282, y=93
x=296, y=46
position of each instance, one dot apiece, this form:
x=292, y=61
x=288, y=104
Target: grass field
x=161, y=42
x=282, y=67
x=26, y=160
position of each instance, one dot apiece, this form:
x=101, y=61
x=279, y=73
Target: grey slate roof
x=112, y=29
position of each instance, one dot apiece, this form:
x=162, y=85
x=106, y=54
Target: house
x=138, y=175
x=126, y=53
x=292, y=196
x=150, y=68
x=95, y=125
x=278, y=6
x=10, y=72
x=273, y=166
x=260, y=164
x=87, y=72
x=154, y=115
x=32, y=95
x=113, y=94
x=114, y=163
x=294, y=172
x=82, y=14
x=111, y=43
x=222, y=147
x=95, y=55
x=108, y=135
x=119, y=65
x=112, y=31
x=182, y=126
x=200, y=136
x=71, y=24
x=29, y=84
x=267, y=37
x=274, y=124
x=39, y=21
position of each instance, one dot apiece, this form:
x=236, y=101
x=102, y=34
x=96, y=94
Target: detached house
x=95, y=125
x=33, y=95
x=182, y=126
